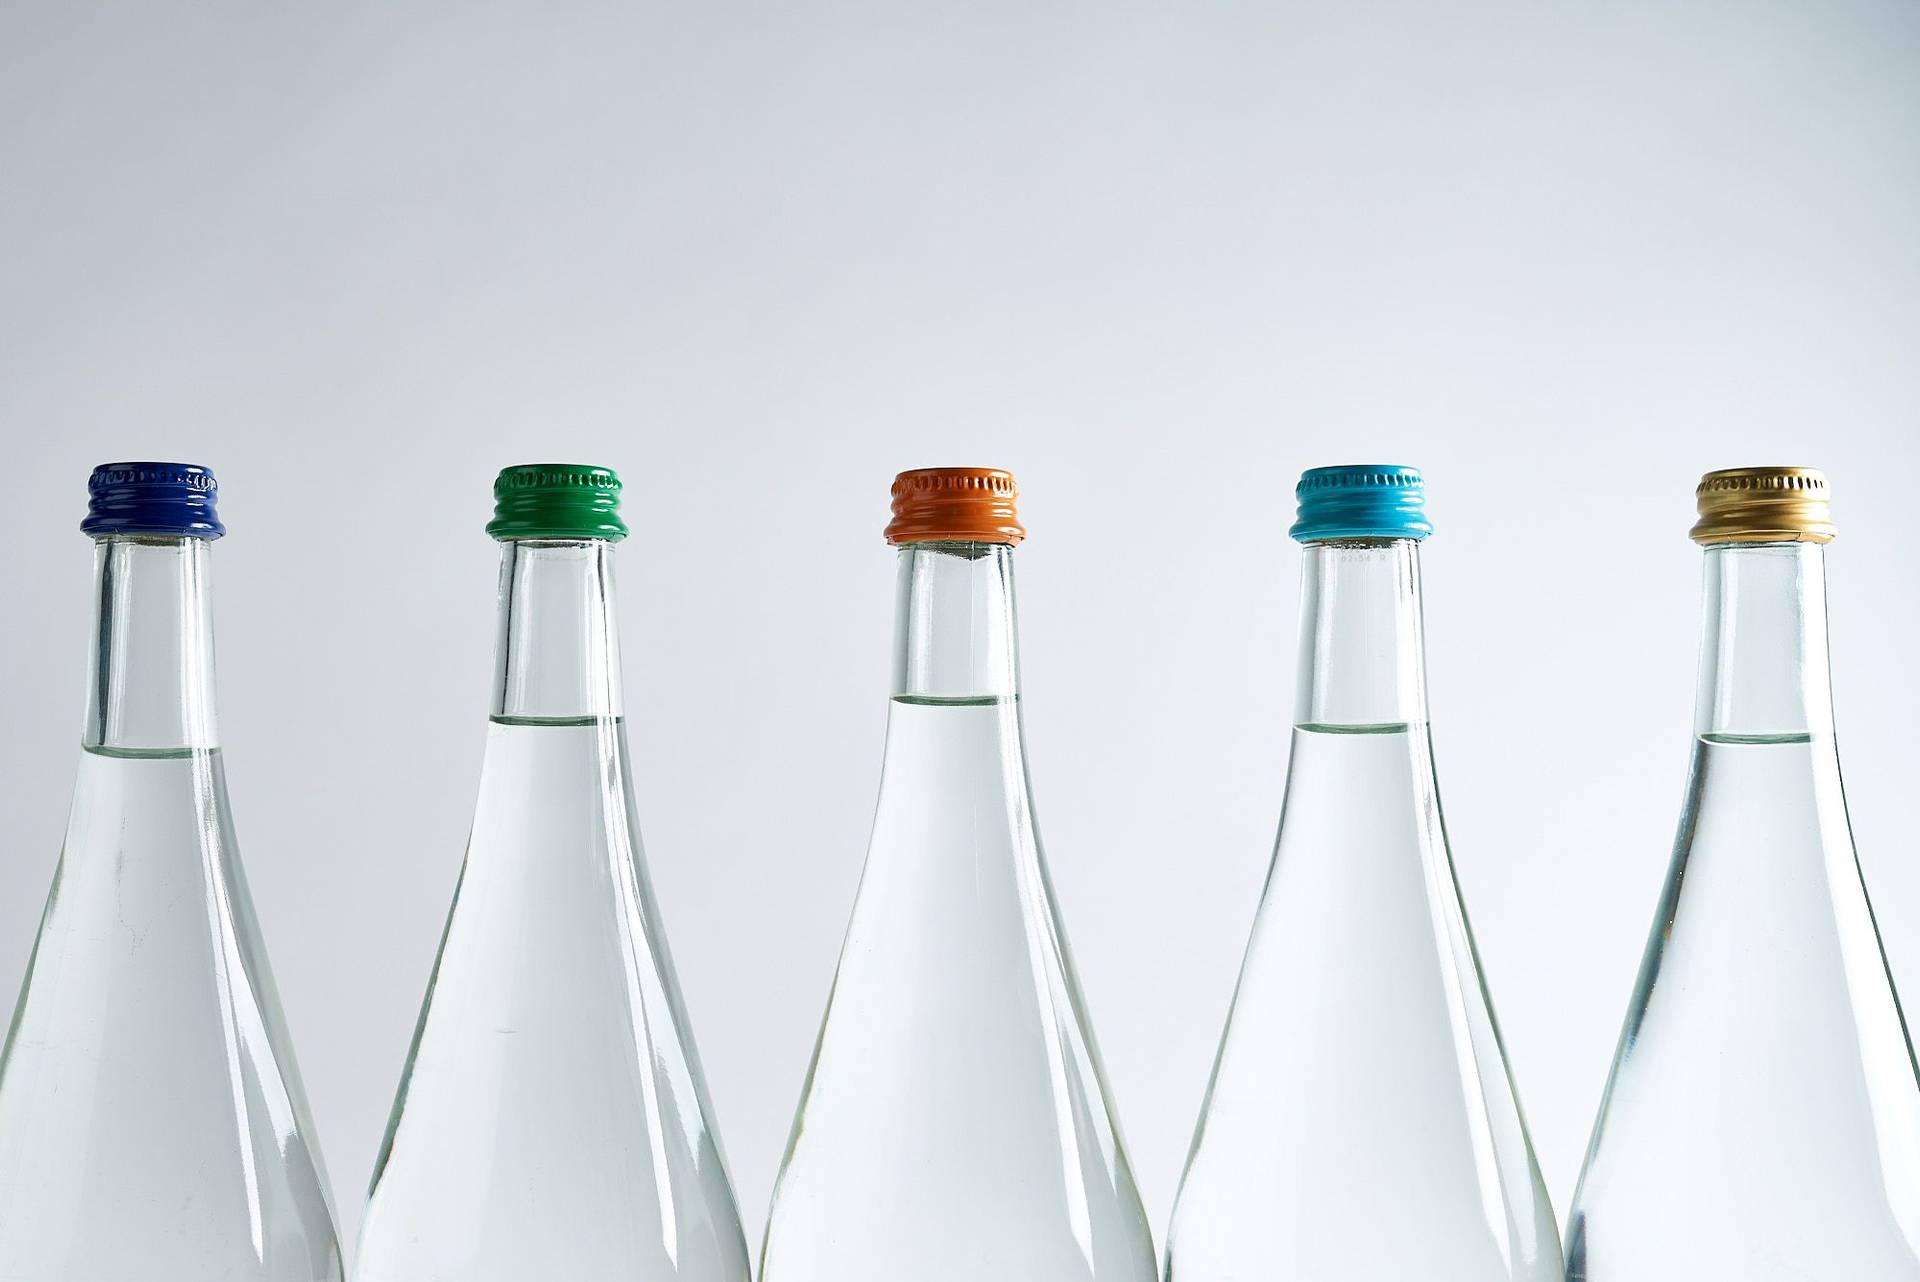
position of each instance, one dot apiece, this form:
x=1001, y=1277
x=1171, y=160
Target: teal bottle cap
x=1361, y=501
x=556, y=501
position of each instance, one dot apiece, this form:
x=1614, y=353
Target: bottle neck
x=1361, y=662
x=1763, y=651
x=150, y=689
x=558, y=658
x=954, y=625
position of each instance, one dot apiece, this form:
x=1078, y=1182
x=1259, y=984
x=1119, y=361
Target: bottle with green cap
x=1763, y=1117
x=152, y=1123
x=1361, y=1125
x=552, y=1121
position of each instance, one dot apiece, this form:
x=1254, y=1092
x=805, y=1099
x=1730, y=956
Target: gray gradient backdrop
x=1153, y=258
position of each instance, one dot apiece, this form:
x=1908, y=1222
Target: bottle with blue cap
x=1763, y=1117
x=1361, y=1123
x=152, y=1124
x=552, y=1121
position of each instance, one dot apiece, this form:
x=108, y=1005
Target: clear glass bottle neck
x=151, y=684
x=1361, y=660
x=558, y=657
x=954, y=625
x=1763, y=649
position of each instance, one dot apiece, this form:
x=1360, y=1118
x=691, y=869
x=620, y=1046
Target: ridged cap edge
x=168, y=500
x=1764, y=505
x=1361, y=501
x=955, y=505
x=556, y=501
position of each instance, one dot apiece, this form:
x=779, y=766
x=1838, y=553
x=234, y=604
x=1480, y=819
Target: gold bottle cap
x=955, y=505
x=1764, y=505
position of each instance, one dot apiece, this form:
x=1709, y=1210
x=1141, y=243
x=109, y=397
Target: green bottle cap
x=556, y=501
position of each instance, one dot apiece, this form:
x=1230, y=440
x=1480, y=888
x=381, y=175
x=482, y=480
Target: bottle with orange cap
x=955, y=1124
x=1763, y=1117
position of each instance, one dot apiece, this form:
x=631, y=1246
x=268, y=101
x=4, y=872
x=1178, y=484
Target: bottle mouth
x=556, y=501
x=1359, y=501
x=1764, y=505
x=167, y=500
x=955, y=505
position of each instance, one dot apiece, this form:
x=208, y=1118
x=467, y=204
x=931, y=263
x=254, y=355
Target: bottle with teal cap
x=1361, y=1123
x=552, y=1121
x=152, y=1123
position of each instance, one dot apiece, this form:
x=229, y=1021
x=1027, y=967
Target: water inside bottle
x=552, y=1122
x=151, y=1126
x=954, y=1124
x=1763, y=1120
x=1360, y=1124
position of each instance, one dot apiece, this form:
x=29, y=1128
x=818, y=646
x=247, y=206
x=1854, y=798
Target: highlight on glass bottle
x=1361, y=1124
x=552, y=1121
x=152, y=1123
x=954, y=1124
x=1763, y=1116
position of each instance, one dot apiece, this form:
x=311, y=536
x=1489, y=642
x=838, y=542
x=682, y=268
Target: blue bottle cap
x=1361, y=501
x=174, y=499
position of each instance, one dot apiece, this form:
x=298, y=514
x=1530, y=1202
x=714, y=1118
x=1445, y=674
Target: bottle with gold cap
x=1361, y=1125
x=954, y=1125
x=1763, y=1117
x=552, y=1122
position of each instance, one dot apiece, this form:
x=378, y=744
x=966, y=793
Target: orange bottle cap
x=955, y=505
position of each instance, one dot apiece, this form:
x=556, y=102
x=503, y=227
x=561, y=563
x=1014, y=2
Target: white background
x=1153, y=258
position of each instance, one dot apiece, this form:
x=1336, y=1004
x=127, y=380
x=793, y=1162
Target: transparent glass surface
x=152, y=1126
x=552, y=1121
x=955, y=1124
x=1763, y=1118
x=1361, y=1125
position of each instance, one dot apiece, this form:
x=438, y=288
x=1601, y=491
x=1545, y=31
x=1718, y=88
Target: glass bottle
x=1763, y=1117
x=1361, y=1125
x=552, y=1121
x=152, y=1123
x=954, y=1124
